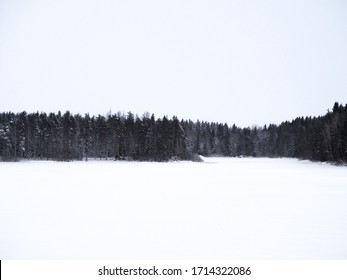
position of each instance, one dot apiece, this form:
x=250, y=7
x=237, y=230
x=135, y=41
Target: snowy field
x=223, y=208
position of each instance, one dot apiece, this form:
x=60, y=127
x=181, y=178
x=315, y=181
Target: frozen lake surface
x=224, y=208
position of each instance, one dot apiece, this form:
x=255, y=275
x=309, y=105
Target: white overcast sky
x=236, y=61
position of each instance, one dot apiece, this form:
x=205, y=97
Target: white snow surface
x=223, y=208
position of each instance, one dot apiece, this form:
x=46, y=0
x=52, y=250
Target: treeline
x=73, y=137
x=118, y=136
x=313, y=138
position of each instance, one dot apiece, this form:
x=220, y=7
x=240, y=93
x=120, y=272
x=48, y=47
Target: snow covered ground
x=224, y=208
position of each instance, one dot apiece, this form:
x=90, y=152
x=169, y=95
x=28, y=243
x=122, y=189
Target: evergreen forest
x=65, y=137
